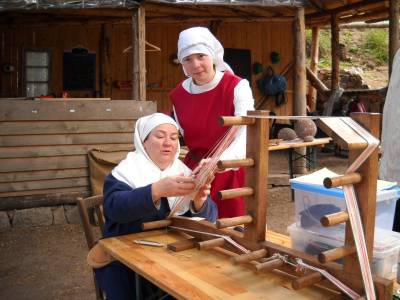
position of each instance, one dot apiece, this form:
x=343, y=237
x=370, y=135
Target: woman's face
x=200, y=67
x=161, y=145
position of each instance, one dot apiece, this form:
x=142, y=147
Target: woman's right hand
x=172, y=186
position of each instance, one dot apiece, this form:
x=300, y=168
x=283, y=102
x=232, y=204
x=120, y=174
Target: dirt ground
x=49, y=262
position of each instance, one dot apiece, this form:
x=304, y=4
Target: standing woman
x=210, y=91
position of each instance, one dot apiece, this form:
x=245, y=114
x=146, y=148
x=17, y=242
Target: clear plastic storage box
x=313, y=200
x=386, y=246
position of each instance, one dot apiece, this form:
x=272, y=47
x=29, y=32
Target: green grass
x=368, y=44
x=375, y=43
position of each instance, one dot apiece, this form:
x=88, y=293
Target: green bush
x=376, y=44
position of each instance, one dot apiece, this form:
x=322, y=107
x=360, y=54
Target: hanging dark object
x=273, y=85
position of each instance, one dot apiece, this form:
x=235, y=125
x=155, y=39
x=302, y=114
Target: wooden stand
x=264, y=256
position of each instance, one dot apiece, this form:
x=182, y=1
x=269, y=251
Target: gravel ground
x=49, y=262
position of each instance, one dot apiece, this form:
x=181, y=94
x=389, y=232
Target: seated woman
x=144, y=187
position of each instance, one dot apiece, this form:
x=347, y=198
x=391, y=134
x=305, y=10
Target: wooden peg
x=334, y=254
x=228, y=222
x=269, y=265
x=233, y=193
x=336, y=181
x=235, y=163
x=334, y=219
x=244, y=258
x=217, y=242
x=306, y=280
x=229, y=121
x=182, y=245
x=156, y=224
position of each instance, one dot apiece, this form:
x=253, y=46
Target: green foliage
x=368, y=44
x=375, y=43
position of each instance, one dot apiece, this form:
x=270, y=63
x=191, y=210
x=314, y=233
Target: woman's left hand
x=201, y=196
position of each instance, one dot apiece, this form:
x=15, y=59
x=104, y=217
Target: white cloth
x=201, y=40
x=242, y=100
x=390, y=143
x=138, y=170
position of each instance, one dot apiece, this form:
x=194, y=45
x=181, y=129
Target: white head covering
x=138, y=170
x=201, y=40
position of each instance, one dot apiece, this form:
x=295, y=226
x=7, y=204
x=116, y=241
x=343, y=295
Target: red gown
x=198, y=116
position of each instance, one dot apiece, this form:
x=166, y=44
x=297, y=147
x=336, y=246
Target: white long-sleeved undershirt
x=242, y=100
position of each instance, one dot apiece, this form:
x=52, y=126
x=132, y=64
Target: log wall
x=114, y=65
x=44, y=144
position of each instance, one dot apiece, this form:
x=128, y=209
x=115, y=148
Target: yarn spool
x=287, y=134
x=305, y=129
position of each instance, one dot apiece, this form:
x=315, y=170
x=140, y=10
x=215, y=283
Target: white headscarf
x=201, y=40
x=138, y=170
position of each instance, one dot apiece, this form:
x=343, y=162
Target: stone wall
x=40, y=216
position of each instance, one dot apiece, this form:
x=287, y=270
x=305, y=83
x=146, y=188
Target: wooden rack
x=262, y=254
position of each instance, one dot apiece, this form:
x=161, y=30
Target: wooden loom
x=262, y=254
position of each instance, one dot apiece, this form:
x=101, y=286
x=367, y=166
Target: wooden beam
x=300, y=64
x=393, y=31
x=312, y=92
x=139, y=54
x=334, y=52
x=257, y=177
x=300, y=79
x=316, y=82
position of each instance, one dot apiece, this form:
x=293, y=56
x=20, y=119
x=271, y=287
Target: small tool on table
x=149, y=243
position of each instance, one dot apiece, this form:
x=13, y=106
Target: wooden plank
x=287, y=145
x=257, y=177
x=43, y=184
x=59, y=150
x=43, y=163
x=26, y=110
x=46, y=174
x=64, y=127
x=67, y=139
x=341, y=133
x=84, y=189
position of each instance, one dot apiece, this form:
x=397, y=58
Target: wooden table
x=195, y=274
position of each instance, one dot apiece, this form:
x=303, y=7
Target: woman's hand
x=172, y=186
x=201, y=196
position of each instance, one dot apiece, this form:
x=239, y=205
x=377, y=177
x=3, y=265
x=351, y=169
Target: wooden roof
x=318, y=12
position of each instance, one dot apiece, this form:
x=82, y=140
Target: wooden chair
x=91, y=209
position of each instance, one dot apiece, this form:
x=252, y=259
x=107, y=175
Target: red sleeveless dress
x=198, y=115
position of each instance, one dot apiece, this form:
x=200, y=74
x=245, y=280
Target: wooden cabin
x=128, y=52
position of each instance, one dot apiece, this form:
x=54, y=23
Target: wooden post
x=335, y=53
x=257, y=177
x=366, y=194
x=139, y=55
x=300, y=64
x=105, y=75
x=300, y=80
x=393, y=31
x=312, y=92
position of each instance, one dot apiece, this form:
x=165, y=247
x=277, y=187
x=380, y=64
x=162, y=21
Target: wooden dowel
x=229, y=121
x=306, y=280
x=182, y=245
x=334, y=219
x=334, y=254
x=269, y=265
x=244, y=258
x=228, y=222
x=233, y=193
x=336, y=181
x=235, y=163
x=156, y=224
x=210, y=243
